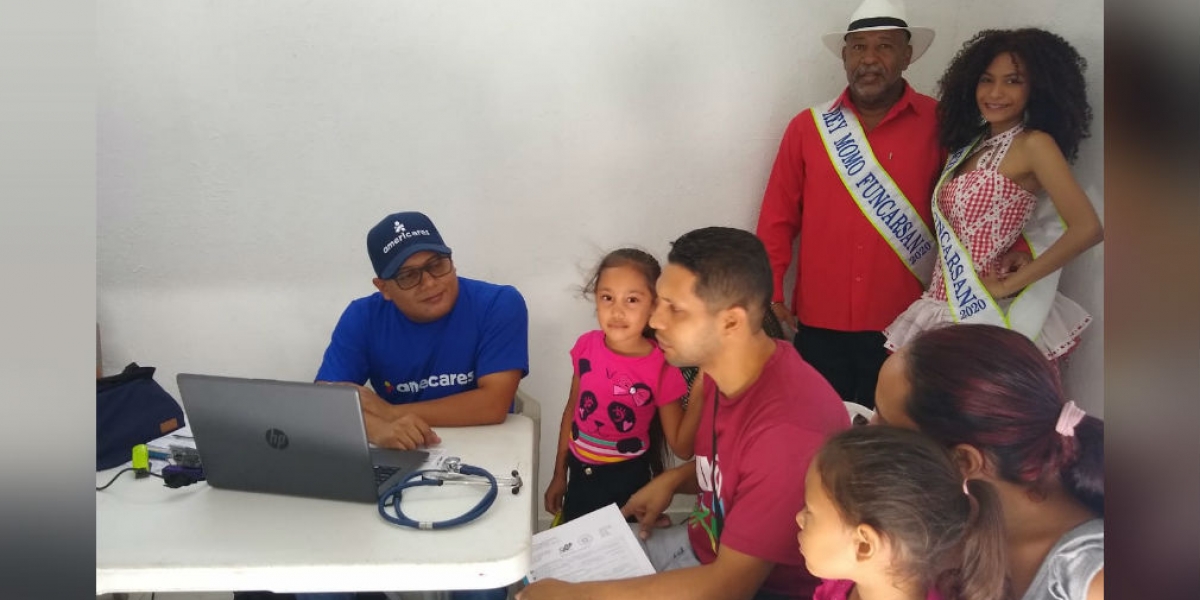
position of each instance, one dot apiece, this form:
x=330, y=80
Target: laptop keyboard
x=383, y=472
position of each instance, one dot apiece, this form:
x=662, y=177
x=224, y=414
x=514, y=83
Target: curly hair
x=1057, y=92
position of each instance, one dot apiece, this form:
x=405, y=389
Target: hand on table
x=406, y=432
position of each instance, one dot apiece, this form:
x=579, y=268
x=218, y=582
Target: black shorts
x=593, y=486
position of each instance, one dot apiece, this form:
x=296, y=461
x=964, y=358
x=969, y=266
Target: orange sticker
x=169, y=425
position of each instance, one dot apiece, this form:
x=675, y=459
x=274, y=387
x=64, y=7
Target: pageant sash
x=968, y=299
x=877, y=196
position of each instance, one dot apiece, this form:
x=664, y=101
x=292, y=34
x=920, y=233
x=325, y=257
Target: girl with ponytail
x=887, y=515
x=989, y=395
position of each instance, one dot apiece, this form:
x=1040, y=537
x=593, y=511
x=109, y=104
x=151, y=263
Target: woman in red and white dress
x=1014, y=105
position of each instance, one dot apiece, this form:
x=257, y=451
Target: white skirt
x=1059, y=333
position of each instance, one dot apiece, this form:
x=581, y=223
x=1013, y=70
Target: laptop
x=285, y=437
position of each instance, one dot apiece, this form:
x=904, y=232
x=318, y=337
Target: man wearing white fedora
x=853, y=179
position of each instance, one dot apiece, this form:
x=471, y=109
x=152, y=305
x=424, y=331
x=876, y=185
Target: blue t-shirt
x=486, y=332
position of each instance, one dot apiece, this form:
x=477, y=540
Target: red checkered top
x=986, y=209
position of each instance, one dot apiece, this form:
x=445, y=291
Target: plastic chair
x=524, y=404
x=857, y=410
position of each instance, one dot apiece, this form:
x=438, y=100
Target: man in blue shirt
x=438, y=349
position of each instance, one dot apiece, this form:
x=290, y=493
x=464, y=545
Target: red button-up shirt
x=848, y=278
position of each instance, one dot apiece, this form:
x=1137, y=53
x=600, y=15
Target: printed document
x=594, y=547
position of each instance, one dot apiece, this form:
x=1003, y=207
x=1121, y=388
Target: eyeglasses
x=437, y=266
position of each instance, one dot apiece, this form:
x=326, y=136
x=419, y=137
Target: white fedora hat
x=873, y=15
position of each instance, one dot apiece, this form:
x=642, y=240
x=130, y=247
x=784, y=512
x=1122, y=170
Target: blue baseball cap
x=399, y=236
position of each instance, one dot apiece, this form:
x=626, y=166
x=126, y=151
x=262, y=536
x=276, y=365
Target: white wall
x=244, y=149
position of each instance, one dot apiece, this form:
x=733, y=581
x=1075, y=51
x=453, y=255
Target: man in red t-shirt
x=853, y=179
x=765, y=414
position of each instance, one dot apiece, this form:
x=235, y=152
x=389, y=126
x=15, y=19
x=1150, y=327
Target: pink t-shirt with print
x=618, y=396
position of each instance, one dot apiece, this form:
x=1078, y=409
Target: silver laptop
x=283, y=437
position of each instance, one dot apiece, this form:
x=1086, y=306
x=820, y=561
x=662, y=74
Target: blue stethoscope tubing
x=419, y=479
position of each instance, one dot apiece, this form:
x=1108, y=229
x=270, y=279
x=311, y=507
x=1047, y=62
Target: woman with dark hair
x=1012, y=111
x=989, y=395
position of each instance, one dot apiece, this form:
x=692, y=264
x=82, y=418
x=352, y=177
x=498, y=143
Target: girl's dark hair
x=647, y=265
x=906, y=486
x=1057, y=103
x=991, y=388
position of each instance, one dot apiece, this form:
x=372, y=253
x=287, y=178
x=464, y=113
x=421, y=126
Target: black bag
x=131, y=409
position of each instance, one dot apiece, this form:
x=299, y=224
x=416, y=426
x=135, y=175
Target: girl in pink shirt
x=887, y=515
x=624, y=396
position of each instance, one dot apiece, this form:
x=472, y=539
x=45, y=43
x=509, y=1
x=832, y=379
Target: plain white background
x=244, y=149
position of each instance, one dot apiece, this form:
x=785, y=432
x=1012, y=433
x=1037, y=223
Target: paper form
x=597, y=546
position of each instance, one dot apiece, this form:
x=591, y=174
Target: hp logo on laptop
x=277, y=439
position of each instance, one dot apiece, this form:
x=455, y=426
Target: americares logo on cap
x=397, y=237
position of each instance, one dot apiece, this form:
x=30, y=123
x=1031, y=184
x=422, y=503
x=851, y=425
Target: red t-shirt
x=765, y=439
x=848, y=277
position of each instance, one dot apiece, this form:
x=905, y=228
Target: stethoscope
x=452, y=471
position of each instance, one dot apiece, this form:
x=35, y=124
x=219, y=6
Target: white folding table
x=198, y=538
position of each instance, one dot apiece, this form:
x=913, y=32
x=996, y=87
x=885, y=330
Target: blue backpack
x=131, y=409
